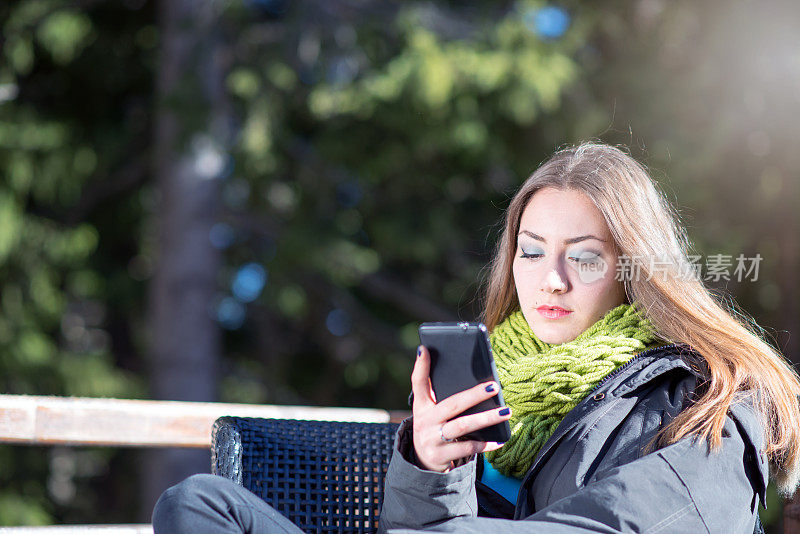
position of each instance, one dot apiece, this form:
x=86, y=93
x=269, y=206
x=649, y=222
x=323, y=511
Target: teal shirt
x=508, y=487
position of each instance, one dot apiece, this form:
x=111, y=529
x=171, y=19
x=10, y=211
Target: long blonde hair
x=738, y=360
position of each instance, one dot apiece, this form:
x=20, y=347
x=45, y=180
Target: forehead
x=561, y=214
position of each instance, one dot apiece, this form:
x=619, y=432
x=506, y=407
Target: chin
x=553, y=334
x=554, y=337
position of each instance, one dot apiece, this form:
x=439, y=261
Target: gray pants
x=209, y=504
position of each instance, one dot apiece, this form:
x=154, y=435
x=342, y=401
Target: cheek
x=518, y=282
x=604, y=295
x=523, y=280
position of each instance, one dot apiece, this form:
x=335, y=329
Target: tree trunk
x=189, y=157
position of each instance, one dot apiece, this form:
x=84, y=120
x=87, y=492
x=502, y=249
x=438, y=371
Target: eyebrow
x=569, y=241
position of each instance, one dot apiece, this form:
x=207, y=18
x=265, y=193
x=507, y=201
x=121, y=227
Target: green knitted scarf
x=542, y=382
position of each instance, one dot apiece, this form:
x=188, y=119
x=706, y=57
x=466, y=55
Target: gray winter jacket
x=595, y=474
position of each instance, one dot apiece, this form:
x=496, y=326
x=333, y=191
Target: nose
x=554, y=282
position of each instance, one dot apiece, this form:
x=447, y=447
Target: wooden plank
x=397, y=416
x=81, y=529
x=17, y=417
x=140, y=423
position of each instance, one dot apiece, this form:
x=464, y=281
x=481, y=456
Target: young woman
x=638, y=402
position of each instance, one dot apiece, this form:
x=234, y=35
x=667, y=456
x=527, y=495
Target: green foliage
x=380, y=156
x=64, y=34
x=15, y=509
x=55, y=306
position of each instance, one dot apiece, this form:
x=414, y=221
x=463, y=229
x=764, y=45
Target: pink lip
x=553, y=312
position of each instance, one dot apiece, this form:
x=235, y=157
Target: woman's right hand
x=432, y=421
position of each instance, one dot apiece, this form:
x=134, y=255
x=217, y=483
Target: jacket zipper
x=627, y=364
x=605, y=379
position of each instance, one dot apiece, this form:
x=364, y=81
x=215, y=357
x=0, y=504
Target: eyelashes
x=531, y=255
x=583, y=257
x=587, y=258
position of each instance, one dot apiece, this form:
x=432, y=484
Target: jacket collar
x=649, y=364
x=640, y=370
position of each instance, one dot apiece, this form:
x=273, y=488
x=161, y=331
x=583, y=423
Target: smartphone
x=461, y=357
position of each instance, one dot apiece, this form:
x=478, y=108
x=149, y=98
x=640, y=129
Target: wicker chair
x=324, y=476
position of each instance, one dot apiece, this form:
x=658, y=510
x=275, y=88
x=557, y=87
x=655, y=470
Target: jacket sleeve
x=416, y=498
x=683, y=487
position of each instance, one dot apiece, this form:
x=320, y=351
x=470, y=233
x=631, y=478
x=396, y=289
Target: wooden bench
x=33, y=420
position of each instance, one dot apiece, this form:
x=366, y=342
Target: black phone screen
x=461, y=357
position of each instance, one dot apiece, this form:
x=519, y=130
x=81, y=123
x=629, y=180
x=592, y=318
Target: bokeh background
x=258, y=201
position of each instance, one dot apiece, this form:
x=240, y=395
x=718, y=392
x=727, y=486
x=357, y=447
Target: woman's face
x=565, y=265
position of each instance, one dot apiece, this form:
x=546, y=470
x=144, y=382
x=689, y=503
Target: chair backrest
x=324, y=476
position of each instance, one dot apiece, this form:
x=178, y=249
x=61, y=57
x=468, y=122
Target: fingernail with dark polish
x=419, y=352
x=490, y=388
x=504, y=411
